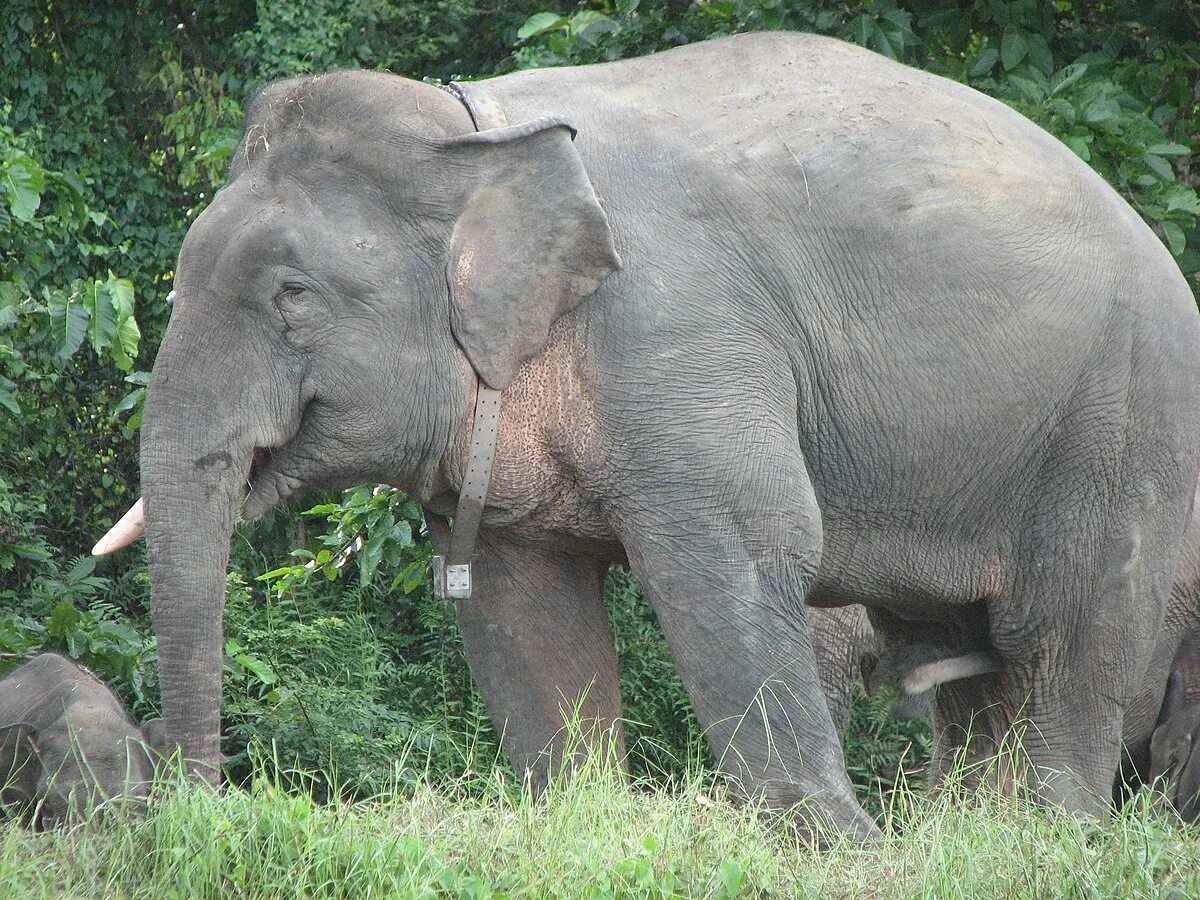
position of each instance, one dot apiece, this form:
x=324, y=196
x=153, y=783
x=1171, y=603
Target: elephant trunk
x=192, y=477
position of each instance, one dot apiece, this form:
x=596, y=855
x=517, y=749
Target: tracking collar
x=456, y=545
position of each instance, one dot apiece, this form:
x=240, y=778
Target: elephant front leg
x=726, y=553
x=540, y=648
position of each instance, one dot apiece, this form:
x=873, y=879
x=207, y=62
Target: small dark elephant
x=1175, y=749
x=65, y=741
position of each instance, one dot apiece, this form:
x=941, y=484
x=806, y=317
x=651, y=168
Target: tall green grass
x=594, y=835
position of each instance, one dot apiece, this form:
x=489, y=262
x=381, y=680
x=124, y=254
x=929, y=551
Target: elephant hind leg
x=1077, y=654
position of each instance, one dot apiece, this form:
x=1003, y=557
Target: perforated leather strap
x=473, y=495
x=452, y=571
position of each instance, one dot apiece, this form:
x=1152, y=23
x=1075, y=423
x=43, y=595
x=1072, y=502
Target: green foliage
x=373, y=526
x=45, y=313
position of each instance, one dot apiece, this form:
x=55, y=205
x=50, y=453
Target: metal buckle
x=451, y=582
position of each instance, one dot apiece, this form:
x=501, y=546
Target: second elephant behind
x=850, y=643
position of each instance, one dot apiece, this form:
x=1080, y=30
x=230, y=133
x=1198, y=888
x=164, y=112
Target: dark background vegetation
x=116, y=122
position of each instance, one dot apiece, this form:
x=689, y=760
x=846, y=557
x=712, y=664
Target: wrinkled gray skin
x=66, y=741
x=845, y=648
x=848, y=646
x=787, y=323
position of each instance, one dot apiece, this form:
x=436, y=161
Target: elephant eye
x=290, y=290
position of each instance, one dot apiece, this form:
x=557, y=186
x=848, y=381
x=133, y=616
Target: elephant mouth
x=258, y=463
x=276, y=475
x=267, y=483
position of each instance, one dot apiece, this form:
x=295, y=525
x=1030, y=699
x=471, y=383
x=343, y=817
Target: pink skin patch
x=464, y=270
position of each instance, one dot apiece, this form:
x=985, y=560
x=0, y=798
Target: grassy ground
x=595, y=837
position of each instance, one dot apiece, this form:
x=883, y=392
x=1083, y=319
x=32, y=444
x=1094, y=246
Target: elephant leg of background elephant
x=844, y=645
x=726, y=568
x=1070, y=694
x=969, y=723
x=1142, y=716
x=540, y=648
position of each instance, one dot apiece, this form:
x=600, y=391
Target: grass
x=592, y=837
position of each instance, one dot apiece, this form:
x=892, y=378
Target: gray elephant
x=772, y=318
x=921, y=660
x=1175, y=746
x=66, y=741
x=845, y=649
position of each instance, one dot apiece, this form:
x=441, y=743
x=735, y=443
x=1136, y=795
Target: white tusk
x=131, y=527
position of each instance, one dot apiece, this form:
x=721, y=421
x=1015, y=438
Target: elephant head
x=65, y=741
x=371, y=259
x=1175, y=749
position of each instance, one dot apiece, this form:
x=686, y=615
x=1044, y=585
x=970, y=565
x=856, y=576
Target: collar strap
x=456, y=545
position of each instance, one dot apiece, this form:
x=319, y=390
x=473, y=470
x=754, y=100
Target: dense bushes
x=116, y=127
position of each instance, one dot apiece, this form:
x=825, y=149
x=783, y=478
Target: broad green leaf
x=1012, y=48
x=278, y=573
x=124, y=349
x=103, y=315
x=1159, y=166
x=1039, y=53
x=986, y=60
x=120, y=290
x=10, y=297
x=8, y=397
x=882, y=44
x=1079, y=144
x=589, y=25
x=1170, y=149
x=1176, y=239
x=1100, y=111
x=861, y=30
x=129, y=401
x=69, y=318
x=23, y=180
x=1183, y=198
x=540, y=23
x=1028, y=88
x=1064, y=78
x=63, y=619
x=410, y=577
x=256, y=667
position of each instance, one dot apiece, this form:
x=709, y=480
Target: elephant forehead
x=243, y=230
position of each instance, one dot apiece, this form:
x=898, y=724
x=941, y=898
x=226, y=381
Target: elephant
x=845, y=649
x=65, y=741
x=848, y=646
x=1175, y=744
x=774, y=320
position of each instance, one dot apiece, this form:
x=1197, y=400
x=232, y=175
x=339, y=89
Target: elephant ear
x=529, y=244
x=20, y=769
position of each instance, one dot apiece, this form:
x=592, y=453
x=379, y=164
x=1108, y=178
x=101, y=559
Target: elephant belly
x=914, y=574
